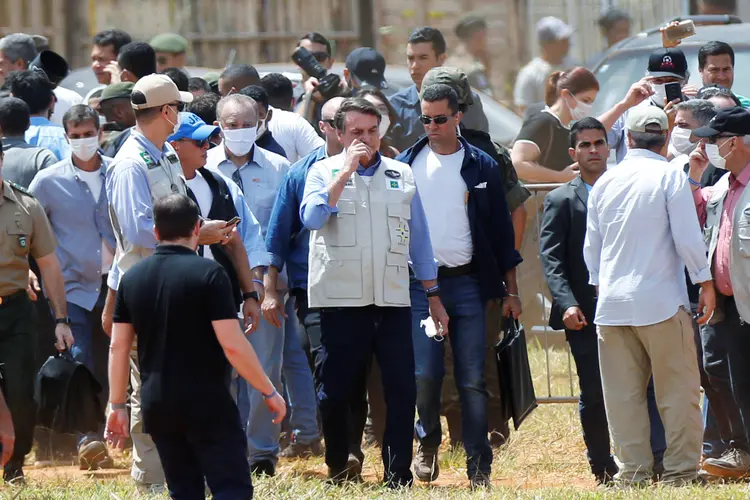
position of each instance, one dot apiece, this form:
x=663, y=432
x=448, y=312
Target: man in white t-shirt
x=75, y=201
x=463, y=195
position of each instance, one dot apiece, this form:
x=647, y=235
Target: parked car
x=627, y=61
x=504, y=124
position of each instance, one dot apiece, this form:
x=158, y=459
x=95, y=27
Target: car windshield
x=623, y=69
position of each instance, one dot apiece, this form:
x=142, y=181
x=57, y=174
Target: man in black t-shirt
x=182, y=308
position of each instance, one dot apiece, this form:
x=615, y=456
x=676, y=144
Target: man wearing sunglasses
x=472, y=239
x=724, y=213
x=145, y=169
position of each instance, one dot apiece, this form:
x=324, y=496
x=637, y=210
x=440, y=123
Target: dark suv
x=627, y=61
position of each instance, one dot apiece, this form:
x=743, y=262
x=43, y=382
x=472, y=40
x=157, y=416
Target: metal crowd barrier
x=539, y=326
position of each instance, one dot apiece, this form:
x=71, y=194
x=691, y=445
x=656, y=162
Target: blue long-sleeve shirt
x=80, y=223
x=43, y=133
x=315, y=211
x=287, y=239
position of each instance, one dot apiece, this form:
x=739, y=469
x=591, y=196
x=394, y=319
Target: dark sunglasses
x=198, y=144
x=179, y=105
x=321, y=56
x=439, y=119
x=330, y=123
x=714, y=139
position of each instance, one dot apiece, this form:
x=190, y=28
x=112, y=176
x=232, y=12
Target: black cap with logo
x=667, y=62
x=727, y=122
x=367, y=66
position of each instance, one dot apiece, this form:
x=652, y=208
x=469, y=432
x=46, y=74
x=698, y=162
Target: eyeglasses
x=179, y=105
x=439, y=119
x=321, y=56
x=714, y=139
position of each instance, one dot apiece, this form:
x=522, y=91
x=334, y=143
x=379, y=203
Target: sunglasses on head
x=439, y=119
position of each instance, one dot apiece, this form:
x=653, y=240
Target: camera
x=328, y=83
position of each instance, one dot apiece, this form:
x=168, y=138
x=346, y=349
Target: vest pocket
x=398, y=227
x=396, y=282
x=343, y=225
x=743, y=235
x=343, y=274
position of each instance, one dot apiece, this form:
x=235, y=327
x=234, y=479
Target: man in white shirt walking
x=640, y=235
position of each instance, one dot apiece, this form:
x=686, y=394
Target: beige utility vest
x=739, y=257
x=165, y=177
x=360, y=256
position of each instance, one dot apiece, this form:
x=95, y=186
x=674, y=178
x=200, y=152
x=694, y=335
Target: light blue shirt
x=589, y=187
x=80, y=224
x=315, y=211
x=642, y=231
x=44, y=134
x=260, y=179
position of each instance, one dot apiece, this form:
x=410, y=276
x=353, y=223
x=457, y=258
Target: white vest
x=360, y=256
x=165, y=177
x=739, y=257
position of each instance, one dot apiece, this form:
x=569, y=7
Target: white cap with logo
x=157, y=90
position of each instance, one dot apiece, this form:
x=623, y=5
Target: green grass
x=543, y=460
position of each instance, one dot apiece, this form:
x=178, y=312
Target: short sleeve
x=221, y=304
x=122, y=313
x=43, y=241
x=536, y=130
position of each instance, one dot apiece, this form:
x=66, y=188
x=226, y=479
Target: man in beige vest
x=367, y=223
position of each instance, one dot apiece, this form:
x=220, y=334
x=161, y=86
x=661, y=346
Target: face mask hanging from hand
x=239, y=141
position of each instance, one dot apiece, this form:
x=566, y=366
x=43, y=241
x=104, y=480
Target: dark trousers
x=309, y=318
x=17, y=345
x=726, y=356
x=585, y=351
x=349, y=338
x=191, y=451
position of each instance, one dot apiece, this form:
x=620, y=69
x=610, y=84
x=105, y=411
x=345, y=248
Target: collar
x=75, y=170
x=222, y=156
x=169, y=249
x=12, y=141
x=150, y=147
x=744, y=176
x=361, y=170
x=644, y=153
x=8, y=192
x=41, y=121
x=413, y=95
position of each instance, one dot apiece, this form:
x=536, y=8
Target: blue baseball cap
x=192, y=127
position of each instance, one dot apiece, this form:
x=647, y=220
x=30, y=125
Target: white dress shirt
x=642, y=231
x=202, y=192
x=444, y=196
x=260, y=179
x=294, y=134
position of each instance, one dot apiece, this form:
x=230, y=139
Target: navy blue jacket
x=489, y=217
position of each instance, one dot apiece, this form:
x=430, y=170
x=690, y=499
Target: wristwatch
x=251, y=295
x=64, y=321
x=118, y=406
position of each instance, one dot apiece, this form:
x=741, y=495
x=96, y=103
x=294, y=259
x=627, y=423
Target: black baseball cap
x=667, y=62
x=727, y=122
x=367, y=66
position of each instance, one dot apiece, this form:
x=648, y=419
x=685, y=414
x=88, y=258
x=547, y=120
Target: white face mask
x=176, y=125
x=660, y=94
x=239, y=141
x=714, y=156
x=84, y=149
x=681, y=140
x=581, y=111
x=385, y=124
x=261, y=130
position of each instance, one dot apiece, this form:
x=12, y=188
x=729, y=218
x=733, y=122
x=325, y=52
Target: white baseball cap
x=157, y=90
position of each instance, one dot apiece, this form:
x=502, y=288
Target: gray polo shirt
x=22, y=161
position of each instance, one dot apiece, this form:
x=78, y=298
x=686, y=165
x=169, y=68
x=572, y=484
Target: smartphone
x=674, y=91
x=679, y=31
x=233, y=221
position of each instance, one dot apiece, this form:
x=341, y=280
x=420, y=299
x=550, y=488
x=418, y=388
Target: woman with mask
x=540, y=153
x=387, y=116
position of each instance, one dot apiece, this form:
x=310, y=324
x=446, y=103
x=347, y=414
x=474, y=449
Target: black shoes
x=263, y=468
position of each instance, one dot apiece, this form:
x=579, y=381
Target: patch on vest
x=335, y=173
x=172, y=158
x=402, y=231
x=394, y=184
x=393, y=174
x=147, y=158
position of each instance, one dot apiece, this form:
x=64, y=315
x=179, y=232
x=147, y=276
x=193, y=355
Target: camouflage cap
x=454, y=78
x=117, y=91
x=169, y=42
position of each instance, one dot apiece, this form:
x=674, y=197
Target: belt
x=452, y=272
x=4, y=301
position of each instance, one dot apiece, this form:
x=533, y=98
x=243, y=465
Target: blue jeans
x=300, y=392
x=466, y=309
x=82, y=327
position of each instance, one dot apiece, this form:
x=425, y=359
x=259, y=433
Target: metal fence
x=538, y=324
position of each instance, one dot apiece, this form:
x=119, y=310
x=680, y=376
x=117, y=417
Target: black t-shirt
x=545, y=130
x=171, y=298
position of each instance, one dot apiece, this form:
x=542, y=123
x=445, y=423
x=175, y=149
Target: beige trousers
x=147, y=467
x=628, y=356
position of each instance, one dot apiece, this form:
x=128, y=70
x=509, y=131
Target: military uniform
x=26, y=232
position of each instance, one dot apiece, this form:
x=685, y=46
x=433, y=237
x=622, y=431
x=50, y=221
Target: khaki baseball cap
x=157, y=90
x=454, y=78
x=647, y=119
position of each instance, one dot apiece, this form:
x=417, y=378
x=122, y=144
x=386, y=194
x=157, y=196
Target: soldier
x=471, y=53
x=170, y=51
x=28, y=234
x=114, y=105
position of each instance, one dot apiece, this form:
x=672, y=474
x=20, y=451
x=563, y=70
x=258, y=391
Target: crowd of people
x=274, y=277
